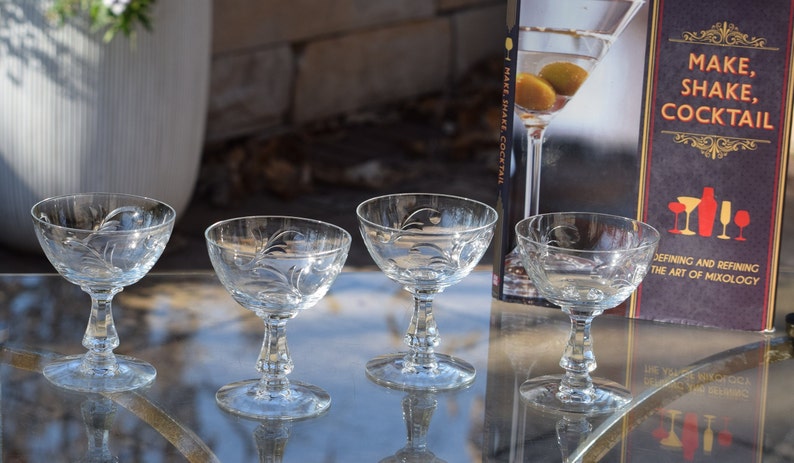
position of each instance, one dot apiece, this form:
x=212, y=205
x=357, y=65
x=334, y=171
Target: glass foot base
x=68, y=373
x=541, y=393
x=299, y=401
x=389, y=370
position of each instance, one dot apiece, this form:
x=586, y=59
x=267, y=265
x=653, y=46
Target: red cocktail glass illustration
x=741, y=219
x=660, y=432
x=725, y=437
x=676, y=208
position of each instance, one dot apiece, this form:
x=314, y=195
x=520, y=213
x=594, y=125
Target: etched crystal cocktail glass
x=102, y=242
x=585, y=263
x=275, y=267
x=424, y=242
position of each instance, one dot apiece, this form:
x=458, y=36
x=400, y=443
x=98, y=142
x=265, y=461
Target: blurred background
x=311, y=107
x=300, y=108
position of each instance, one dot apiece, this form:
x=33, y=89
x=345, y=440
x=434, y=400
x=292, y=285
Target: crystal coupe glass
x=425, y=242
x=585, y=263
x=102, y=242
x=275, y=267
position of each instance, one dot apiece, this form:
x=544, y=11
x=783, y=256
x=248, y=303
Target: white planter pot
x=78, y=114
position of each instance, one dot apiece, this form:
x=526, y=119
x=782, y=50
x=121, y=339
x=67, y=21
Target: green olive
x=534, y=93
x=565, y=77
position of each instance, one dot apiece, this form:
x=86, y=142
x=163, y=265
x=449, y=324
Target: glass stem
x=98, y=417
x=422, y=336
x=534, y=153
x=274, y=360
x=418, y=410
x=571, y=432
x=100, y=336
x=578, y=359
x=271, y=441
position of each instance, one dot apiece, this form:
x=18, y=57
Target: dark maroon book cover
x=714, y=141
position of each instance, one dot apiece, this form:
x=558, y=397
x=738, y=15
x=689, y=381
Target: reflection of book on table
x=700, y=411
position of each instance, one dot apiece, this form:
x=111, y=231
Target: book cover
x=714, y=144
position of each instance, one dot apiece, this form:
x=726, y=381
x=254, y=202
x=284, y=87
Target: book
x=714, y=143
x=706, y=162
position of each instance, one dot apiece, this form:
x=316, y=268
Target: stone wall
x=280, y=63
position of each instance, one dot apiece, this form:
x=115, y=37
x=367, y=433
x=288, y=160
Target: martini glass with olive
x=559, y=44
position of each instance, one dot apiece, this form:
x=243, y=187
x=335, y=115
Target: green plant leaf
x=102, y=19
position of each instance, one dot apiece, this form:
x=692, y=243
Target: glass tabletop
x=700, y=394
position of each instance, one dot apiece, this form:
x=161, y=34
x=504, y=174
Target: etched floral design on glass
x=585, y=263
x=102, y=242
x=276, y=267
x=426, y=243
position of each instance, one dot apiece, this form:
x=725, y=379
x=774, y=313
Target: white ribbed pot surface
x=78, y=114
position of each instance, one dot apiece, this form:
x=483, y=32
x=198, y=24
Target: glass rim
x=652, y=242
x=171, y=218
x=487, y=225
x=347, y=241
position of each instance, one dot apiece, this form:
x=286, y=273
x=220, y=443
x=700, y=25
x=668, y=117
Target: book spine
x=506, y=159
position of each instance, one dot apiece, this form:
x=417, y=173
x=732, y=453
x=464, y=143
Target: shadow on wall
x=80, y=115
x=16, y=228
x=29, y=52
x=34, y=52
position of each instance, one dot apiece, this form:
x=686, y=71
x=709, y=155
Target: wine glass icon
x=690, y=203
x=672, y=439
x=708, y=434
x=508, y=47
x=676, y=208
x=741, y=219
x=660, y=432
x=725, y=437
x=725, y=219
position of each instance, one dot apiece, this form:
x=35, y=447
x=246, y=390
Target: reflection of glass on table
x=187, y=325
